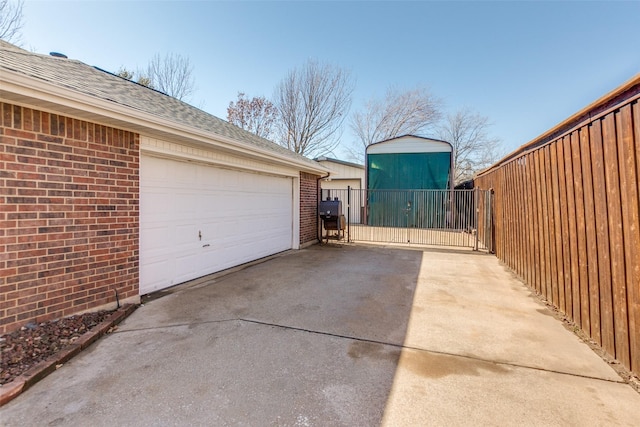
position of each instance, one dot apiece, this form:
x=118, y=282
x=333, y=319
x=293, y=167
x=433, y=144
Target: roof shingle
x=78, y=76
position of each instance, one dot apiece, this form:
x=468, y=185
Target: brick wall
x=69, y=216
x=308, y=208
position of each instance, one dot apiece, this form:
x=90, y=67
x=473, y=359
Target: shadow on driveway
x=311, y=337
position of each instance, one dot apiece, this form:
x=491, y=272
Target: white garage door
x=197, y=219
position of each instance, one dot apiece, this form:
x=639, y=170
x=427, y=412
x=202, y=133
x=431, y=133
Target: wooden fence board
x=630, y=214
x=581, y=255
x=563, y=249
x=510, y=215
x=531, y=253
x=515, y=231
x=554, y=208
x=522, y=223
x=500, y=217
x=541, y=255
x=506, y=221
x=631, y=149
x=602, y=232
x=616, y=239
x=550, y=234
x=546, y=236
x=572, y=235
x=571, y=270
x=526, y=249
x=497, y=205
x=496, y=212
x=590, y=234
x=513, y=217
x=636, y=137
x=530, y=220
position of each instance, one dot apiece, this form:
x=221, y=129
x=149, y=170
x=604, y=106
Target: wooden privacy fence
x=566, y=211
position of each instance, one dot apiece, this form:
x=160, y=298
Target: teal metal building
x=405, y=178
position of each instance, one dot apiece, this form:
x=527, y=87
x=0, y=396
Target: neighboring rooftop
x=341, y=162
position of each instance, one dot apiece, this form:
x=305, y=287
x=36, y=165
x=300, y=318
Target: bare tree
x=414, y=112
x=257, y=115
x=474, y=149
x=11, y=21
x=171, y=74
x=313, y=102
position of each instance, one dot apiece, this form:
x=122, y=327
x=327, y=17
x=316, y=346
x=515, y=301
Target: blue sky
x=525, y=65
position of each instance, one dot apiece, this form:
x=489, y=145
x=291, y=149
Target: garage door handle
x=205, y=246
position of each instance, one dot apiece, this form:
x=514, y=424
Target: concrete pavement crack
x=174, y=325
x=372, y=341
x=444, y=353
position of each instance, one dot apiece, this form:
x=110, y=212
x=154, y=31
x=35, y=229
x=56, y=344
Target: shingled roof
x=79, y=77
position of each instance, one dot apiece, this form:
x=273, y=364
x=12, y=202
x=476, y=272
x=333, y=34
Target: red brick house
x=110, y=190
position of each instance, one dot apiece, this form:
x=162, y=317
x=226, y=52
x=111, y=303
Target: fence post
x=348, y=213
x=491, y=222
x=477, y=212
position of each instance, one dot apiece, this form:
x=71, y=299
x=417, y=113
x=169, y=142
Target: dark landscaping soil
x=31, y=344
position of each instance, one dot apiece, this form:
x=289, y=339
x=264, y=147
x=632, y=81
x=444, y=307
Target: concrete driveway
x=330, y=335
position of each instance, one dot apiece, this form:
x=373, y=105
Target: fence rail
x=425, y=217
x=566, y=211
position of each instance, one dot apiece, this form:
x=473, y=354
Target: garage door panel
x=183, y=172
x=185, y=234
x=235, y=254
x=149, y=203
x=236, y=251
x=158, y=272
x=186, y=265
x=157, y=169
x=241, y=217
x=157, y=239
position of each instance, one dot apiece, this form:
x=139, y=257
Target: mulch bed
x=34, y=343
